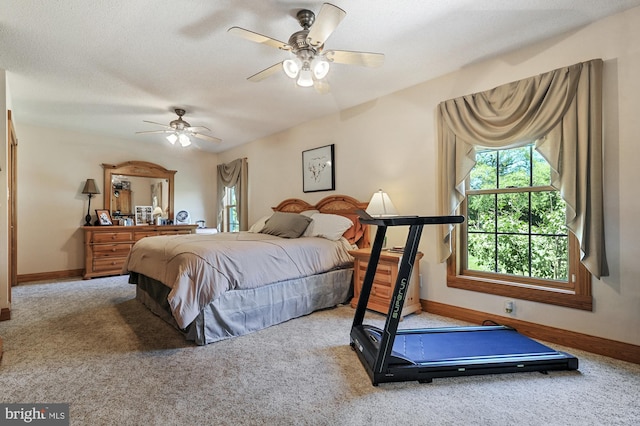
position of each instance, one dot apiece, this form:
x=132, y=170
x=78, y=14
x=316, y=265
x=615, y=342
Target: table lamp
x=90, y=188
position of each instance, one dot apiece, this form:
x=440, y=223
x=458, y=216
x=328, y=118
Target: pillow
x=286, y=225
x=329, y=226
x=257, y=227
x=310, y=213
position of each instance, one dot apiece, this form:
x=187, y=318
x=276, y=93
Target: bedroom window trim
x=574, y=293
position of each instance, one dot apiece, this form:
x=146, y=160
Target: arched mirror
x=137, y=183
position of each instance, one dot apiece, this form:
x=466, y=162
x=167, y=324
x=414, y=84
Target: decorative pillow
x=356, y=232
x=257, y=227
x=329, y=226
x=286, y=225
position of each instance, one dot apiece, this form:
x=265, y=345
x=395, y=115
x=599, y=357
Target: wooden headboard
x=342, y=205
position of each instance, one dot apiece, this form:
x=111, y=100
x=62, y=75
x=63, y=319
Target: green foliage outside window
x=515, y=219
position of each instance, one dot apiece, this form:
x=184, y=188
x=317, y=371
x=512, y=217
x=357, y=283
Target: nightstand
x=385, y=281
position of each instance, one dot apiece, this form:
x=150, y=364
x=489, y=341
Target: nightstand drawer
x=384, y=281
x=381, y=291
x=384, y=272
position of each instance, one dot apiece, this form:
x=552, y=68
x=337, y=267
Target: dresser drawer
x=104, y=264
x=180, y=232
x=106, y=237
x=111, y=250
x=137, y=236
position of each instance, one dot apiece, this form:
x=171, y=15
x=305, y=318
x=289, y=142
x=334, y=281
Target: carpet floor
x=92, y=345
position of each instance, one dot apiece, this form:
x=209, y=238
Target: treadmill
x=392, y=355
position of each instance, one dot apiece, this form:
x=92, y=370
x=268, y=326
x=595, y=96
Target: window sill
x=560, y=297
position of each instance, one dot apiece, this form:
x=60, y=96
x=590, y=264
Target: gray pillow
x=286, y=225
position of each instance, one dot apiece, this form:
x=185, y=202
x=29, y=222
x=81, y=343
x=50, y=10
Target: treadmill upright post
x=369, y=276
x=398, y=298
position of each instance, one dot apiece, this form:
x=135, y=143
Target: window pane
x=481, y=252
x=484, y=173
x=548, y=212
x=541, y=170
x=549, y=258
x=513, y=254
x=481, y=213
x=513, y=213
x=514, y=167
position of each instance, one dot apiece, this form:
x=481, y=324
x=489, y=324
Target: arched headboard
x=342, y=205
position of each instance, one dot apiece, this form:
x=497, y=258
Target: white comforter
x=199, y=268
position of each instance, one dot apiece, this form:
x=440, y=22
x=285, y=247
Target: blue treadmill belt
x=466, y=345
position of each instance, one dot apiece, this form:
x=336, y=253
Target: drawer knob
x=113, y=237
x=113, y=249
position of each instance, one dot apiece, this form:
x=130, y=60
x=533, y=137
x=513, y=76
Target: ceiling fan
x=310, y=62
x=180, y=131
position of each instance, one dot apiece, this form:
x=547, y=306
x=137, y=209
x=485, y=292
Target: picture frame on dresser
x=318, y=169
x=104, y=217
x=144, y=215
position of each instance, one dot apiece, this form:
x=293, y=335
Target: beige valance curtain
x=235, y=174
x=561, y=111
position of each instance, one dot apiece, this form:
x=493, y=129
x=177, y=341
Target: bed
x=216, y=286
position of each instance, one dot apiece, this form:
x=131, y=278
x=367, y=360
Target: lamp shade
x=90, y=187
x=381, y=205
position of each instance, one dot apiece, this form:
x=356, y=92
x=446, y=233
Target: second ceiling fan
x=181, y=131
x=310, y=61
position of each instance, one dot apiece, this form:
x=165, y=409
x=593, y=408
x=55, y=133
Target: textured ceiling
x=104, y=66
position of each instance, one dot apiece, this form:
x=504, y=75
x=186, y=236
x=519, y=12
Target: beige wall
x=53, y=165
x=390, y=144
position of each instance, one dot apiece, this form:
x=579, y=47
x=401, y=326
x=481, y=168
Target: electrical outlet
x=509, y=306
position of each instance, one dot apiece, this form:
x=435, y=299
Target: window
x=230, y=222
x=514, y=242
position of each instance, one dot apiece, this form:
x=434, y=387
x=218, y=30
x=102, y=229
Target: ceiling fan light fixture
x=172, y=138
x=305, y=79
x=291, y=67
x=184, y=139
x=320, y=67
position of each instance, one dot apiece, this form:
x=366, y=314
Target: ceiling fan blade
x=156, y=131
x=266, y=73
x=258, y=38
x=327, y=20
x=206, y=137
x=365, y=59
x=157, y=124
x=197, y=129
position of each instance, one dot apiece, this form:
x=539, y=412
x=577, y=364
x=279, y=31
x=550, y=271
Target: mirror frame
x=139, y=169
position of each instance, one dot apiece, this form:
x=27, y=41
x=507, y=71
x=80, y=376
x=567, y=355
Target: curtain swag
x=234, y=174
x=561, y=111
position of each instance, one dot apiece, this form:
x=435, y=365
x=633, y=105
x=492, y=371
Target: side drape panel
x=561, y=111
x=234, y=174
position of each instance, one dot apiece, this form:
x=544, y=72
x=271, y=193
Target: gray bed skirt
x=239, y=312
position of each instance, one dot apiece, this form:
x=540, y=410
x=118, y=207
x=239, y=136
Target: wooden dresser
x=106, y=247
x=385, y=281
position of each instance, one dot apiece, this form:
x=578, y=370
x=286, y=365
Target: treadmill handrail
x=407, y=220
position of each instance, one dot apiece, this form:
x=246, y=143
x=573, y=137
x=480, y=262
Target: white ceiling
x=104, y=66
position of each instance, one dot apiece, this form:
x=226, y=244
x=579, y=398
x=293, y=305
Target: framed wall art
x=318, y=169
